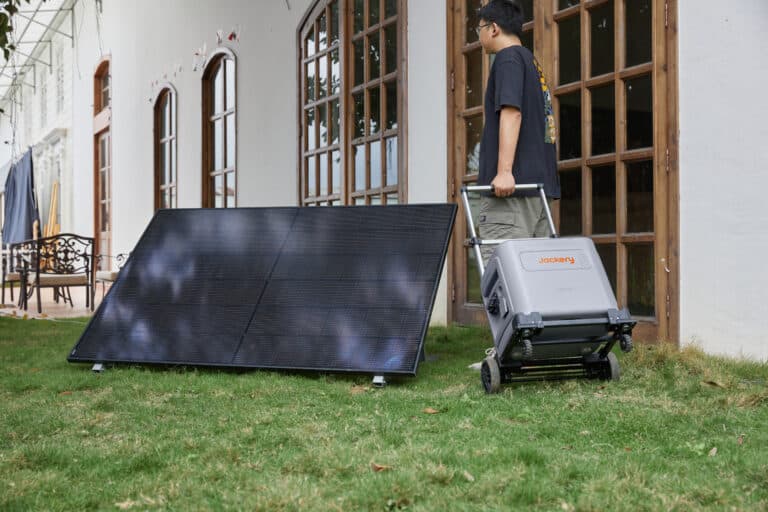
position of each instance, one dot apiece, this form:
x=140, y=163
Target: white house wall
x=723, y=176
x=151, y=42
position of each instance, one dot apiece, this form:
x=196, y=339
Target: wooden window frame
x=346, y=195
x=158, y=140
x=215, y=60
x=664, y=153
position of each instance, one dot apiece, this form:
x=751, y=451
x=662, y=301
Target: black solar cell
x=346, y=289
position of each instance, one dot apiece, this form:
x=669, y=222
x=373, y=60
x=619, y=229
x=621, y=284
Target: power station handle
x=476, y=242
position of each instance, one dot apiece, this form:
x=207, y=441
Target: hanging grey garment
x=20, y=204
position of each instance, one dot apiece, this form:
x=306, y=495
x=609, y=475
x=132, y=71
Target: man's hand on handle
x=503, y=184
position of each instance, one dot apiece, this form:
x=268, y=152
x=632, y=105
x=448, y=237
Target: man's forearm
x=509, y=133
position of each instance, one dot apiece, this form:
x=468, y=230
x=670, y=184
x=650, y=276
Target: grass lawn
x=680, y=431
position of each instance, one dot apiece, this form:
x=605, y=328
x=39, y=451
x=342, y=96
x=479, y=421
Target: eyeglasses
x=481, y=27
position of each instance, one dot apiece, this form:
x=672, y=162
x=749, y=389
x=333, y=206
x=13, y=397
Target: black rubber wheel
x=625, y=342
x=527, y=349
x=612, y=368
x=490, y=375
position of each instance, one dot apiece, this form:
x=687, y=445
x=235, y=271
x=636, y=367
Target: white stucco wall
x=154, y=42
x=427, y=116
x=159, y=48
x=723, y=177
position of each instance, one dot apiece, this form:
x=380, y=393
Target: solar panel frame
x=258, y=302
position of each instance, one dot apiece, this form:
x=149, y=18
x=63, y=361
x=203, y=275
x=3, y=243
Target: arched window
x=351, y=99
x=165, y=149
x=219, y=131
x=102, y=88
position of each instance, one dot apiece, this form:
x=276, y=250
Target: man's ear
x=495, y=29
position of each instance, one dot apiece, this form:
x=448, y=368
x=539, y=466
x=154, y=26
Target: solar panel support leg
x=97, y=368
x=379, y=381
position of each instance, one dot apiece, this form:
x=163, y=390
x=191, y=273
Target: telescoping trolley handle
x=476, y=242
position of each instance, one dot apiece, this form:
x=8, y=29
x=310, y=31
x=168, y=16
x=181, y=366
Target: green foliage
x=8, y=9
x=680, y=431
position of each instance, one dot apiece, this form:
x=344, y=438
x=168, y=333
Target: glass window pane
x=474, y=78
x=311, y=129
x=359, y=126
x=105, y=216
x=218, y=89
x=604, y=200
x=309, y=43
x=376, y=200
x=640, y=197
x=374, y=104
x=392, y=199
x=322, y=32
x=390, y=45
x=172, y=113
x=373, y=12
x=601, y=24
x=640, y=280
x=218, y=191
x=218, y=144
x=335, y=119
x=390, y=148
x=359, y=156
x=172, y=176
x=570, y=125
x=322, y=77
x=231, y=155
x=639, y=112
x=359, y=201
x=335, y=72
x=358, y=16
x=391, y=106
x=527, y=39
x=231, y=189
x=334, y=38
x=603, y=120
x=162, y=114
x=474, y=132
x=231, y=81
x=310, y=74
x=168, y=164
x=564, y=4
x=162, y=163
x=471, y=21
x=570, y=50
x=374, y=56
x=390, y=8
x=323, y=180
x=527, y=6
x=607, y=253
x=473, y=279
x=375, y=164
x=359, y=61
x=322, y=121
x=311, y=177
x=336, y=172
x=638, y=32
x=570, y=203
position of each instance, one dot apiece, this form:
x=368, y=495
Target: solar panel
x=346, y=289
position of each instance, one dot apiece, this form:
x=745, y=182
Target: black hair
x=507, y=14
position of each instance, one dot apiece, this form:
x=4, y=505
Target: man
x=518, y=144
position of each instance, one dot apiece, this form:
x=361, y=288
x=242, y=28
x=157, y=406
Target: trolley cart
x=551, y=309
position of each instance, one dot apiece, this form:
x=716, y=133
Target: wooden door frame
x=102, y=122
x=665, y=153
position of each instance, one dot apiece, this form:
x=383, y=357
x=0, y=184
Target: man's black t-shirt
x=516, y=80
